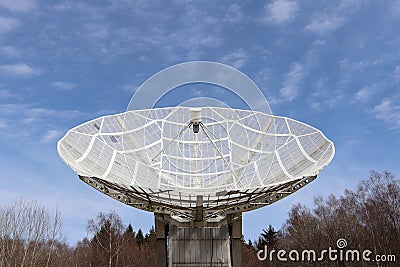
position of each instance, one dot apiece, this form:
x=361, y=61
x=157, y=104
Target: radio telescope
x=197, y=170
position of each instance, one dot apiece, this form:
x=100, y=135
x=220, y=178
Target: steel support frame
x=235, y=236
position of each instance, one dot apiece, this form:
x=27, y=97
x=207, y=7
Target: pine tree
x=267, y=238
x=140, y=237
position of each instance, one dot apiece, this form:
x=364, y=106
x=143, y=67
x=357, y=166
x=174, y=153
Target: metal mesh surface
x=157, y=150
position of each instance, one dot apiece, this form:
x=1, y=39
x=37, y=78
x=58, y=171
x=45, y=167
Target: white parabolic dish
x=154, y=160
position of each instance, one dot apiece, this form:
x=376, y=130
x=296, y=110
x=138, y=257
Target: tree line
x=367, y=218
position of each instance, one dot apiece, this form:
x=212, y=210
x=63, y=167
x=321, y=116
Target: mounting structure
x=197, y=170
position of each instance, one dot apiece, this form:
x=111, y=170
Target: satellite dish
x=196, y=165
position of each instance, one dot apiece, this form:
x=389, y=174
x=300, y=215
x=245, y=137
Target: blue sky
x=332, y=64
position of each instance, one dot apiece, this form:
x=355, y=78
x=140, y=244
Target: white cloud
x=3, y=123
x=294, y=77
x=63, y=85
x=20, y=69
x=196, y=32
x=197, y=92
x=351, y=5
x=324, y=23
x=335, y=99
x=8, y=24
x=199, y=33
x=325, y=96
x=63, y=7
x=388, y=112
x=189, y=36
x=5, y=94
x=316, y=106
x=396, y=8
x=351, y=66
x=280, y=12
x=365, y=93
x=383, y=110
x=396, y=74
x=236, y=58
x=130, y=87
x=234, y=14
x=19, y=5
x=18, y=110
x=50, y=136
x=10, y=51
x=97, y=30
x=28, y=119
x=25, y=122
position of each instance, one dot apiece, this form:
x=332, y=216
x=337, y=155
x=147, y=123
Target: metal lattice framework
x=163, y=159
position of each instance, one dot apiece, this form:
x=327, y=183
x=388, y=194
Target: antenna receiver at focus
x=195, y=119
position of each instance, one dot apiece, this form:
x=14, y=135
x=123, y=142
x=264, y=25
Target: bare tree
x=107, y=231
x=368, y=218
x=82, y=253
x=29, y=235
